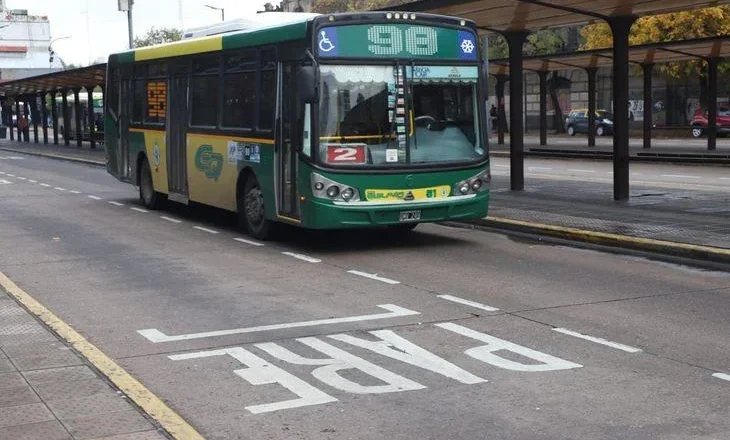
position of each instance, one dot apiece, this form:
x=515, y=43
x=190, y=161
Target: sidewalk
x=679, y=222
x=48, y=392
x=71, y=152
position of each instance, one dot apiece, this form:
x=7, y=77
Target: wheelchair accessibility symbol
x=325, y=45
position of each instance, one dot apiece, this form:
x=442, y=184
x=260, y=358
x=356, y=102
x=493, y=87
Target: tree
x=332, y=6
x=158, y=36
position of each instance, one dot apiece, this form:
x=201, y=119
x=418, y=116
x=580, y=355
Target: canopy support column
x=10, y=117
x=515, y=40
x=26, y=112
x=54, y=116
x=712, y=104
x=79, y=112
x=620, y=27
x=592, y=72
x=66, y=118
x=499, y=88
x=18, y=114
x=44, y=116
x=543, y=106
x=648, y=116
x=35, y=116
x=92, y=127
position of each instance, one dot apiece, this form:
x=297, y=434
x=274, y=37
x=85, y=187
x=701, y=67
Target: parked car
x=699, y=121
x=577, y=122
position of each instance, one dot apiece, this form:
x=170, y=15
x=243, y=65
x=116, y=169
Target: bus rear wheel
x=253, y=215
x=147, y=194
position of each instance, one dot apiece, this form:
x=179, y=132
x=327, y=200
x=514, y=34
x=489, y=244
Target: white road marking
x=139, y=209
x=59, y=188
x=32, y=181
x=2, y=172
x=22, y=178
x=539, y=169
x=209, y=231
x=724, y=178
x=75, y=192
x=598, y=340
x=722, y=376
x=303, y=257
x=170, y=219
x=680, y=176
x=116, y=203
x=468, y=302
x=580, y=171
x=251, y=242
x=95, y=197
x=44, y=185
x=394, y=311
x=373, y=277
x=500, y=166
x=5, y=182
x=10, y=175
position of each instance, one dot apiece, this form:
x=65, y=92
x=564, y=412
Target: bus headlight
x=464, y=187
x=476, y=184
x=324, y=188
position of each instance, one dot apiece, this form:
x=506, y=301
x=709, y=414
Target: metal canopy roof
x=654, y=53
x=69, y=79
x=518, y=15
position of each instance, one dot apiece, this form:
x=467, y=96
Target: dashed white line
x=10, y=175
x=75, y=192
x=373, y=277
x=139, y=209
x=251, y=242
x=44, y=185
x=680, y=176
x=539, y=169
x=2, y=172
x=467, y=302
x=58, y=188
x=22, y=178
x=170, y=219
x=580, y=171
x=209, y=231
x=32, y=181
x=116, y=203
x=722, y=376
x=303, y=257
x=95, y=197
x=724, y=178
x=598, y=340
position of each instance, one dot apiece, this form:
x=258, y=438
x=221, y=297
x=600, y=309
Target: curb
x=56, y=156
x=674, y=249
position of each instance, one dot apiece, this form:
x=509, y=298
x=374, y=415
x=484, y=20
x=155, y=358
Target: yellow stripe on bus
x=146, y=130
x=186, y=47
x=235, y=138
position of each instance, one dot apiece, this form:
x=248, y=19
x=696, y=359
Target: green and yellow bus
x=325, y=122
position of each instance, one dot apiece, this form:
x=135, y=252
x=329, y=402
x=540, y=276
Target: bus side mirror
x=307, y=84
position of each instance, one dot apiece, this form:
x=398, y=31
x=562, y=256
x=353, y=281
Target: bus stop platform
x=670, y=222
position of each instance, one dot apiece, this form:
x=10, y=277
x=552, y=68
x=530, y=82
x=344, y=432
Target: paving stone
x=11, y=380
x=51, y=359
x=11, y=340
x=101, y=403
x=52, y=430
x=60, y=374
x=35, y=349
x=107, y=424
x=145, y=435
x=18, y=396
x=22, y=326
x=24, y=415
x=71, y=389
x=6, y=366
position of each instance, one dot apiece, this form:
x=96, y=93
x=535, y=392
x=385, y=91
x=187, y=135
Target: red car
x=699, y=121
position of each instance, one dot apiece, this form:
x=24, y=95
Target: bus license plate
x=410, y=216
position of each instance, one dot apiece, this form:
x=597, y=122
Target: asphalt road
x=448, y=333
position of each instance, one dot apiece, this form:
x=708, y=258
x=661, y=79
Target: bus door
x=288, y=137
x=177, y=117
x=125, y=109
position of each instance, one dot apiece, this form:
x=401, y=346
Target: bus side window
x=239, y=90
x=138, y=94
x=205, y=87
x=267, y=100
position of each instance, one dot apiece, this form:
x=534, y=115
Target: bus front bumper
x=322, y=215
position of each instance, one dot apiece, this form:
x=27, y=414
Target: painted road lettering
x=342, y=360
x=260, y=372
x=486, y=353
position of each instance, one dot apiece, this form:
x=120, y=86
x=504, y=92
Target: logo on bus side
x=209, y=162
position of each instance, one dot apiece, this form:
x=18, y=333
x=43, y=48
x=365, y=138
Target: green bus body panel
x=324, y=214
x=287, y=32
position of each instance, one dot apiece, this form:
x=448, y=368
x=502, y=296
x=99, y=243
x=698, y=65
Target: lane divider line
x=251, y=242
x=21, y=178
x=303, y=257
x=467, y=302
x=116, y=203
x=45, y=185
x=58, y=188
x=722, y=376
x=134, y=208
x=601, y=341
x=170, y=219
x=10, y=175
x=138, y=393
x=373, y=277
x=75, y=192
x=95, y=197
x=209, y=231
x=32, y=181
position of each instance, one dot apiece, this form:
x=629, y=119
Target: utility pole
x=126, y=6
x=223, y=11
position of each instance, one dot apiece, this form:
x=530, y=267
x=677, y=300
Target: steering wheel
x=424, y=121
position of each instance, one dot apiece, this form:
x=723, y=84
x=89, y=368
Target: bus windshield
x=390, y=115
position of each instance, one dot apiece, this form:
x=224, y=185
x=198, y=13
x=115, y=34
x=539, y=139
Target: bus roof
x=230, y=35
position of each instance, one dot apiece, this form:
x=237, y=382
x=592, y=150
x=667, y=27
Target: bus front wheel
x=147, y=194
x=253, y=213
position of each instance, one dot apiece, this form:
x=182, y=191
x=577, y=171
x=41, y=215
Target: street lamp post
x=223, y=13
x=51, y=53
x=126, y=6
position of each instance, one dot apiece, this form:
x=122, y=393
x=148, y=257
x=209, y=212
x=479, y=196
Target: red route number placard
x=346, y=154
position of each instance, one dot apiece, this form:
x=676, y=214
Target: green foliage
x=698, y=23
x=332, y=6
x=158, y=36
x=542, y=42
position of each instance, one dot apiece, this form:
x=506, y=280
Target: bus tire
x=147, y=194
x=253, y=214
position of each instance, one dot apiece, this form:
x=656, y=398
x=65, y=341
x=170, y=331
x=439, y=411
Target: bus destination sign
x=396, y=41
